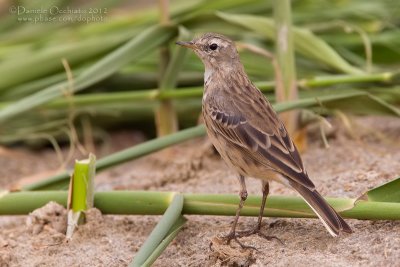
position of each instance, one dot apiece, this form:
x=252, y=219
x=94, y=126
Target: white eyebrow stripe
x=218, y=41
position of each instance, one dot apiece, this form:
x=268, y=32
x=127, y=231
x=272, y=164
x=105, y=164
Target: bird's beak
x=189, y=44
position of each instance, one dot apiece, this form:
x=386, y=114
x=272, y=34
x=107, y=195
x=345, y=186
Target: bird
x=248, y=134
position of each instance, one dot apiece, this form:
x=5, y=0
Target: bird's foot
x=257, y=231
x=235, y=237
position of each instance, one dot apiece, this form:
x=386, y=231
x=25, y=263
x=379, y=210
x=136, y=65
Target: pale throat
x=207, y=77
x=207, y=74
x=210, y=71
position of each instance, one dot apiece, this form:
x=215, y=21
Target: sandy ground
x=347, y=169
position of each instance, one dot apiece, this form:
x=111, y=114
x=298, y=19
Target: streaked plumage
x=247, y=132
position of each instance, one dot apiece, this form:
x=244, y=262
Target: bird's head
x=215, y=50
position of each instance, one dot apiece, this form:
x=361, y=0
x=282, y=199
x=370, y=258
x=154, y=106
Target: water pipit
x=248, y=134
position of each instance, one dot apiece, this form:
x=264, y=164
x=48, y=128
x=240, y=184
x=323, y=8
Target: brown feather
x=262, y=135
x=333, y=222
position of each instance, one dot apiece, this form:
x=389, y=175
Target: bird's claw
x=257, y=231
x=235, y=237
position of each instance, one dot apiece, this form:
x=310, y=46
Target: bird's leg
x=257, y=229
x=265, y=192
x=243, y=196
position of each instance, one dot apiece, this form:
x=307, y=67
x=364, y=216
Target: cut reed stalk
x=170, y=221
x=165, y=116
x=286, y=86
x=156, y=203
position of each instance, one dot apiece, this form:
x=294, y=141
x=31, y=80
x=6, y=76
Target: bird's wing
x=251, y=123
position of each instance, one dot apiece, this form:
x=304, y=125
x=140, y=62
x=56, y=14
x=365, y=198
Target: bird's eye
x=213, y=46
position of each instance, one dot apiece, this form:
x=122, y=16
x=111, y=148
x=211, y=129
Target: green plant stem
x=83, y=184
x=191, y=92
x=165, y=115
x=150, y=94
x=284, y=50
x=286, y=89
x=166, y=241
x=385, y=77
x=79, y=182
x=81, y=192
x=163, y=227
x=156, y=203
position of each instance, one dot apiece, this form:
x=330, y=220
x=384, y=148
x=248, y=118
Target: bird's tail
x=329, y=217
